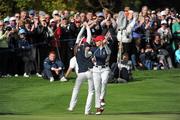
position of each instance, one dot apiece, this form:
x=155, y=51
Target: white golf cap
x=163, y=22
x=6, y=19
x=52, y=20
x=55, y=12
x=12, y=18
x=163, y=13
x=42, y=13
x=153, y=11
x=100, y=14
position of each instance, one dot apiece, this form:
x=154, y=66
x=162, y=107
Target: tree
x=9, y=7
x=24, y=4
x=6, y=8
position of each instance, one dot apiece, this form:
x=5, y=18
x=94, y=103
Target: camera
x=8, y=28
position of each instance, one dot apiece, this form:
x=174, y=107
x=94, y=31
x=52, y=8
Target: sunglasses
x=77, y=22
x=94, y=17
x=22, y=34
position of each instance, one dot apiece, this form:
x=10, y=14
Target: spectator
x=42, y=38
x=68, y=38
x=89, y=16
x=125, y=69
x=55, y=42
x=147, y=57
x=144, y=13
x=161, y=52
x=176, y=31
x=95, y=25
x=136, y=51
x=177, y=56
x=4, y=34
x=53, y=68
x=66, y=13
x=121, y=72
x=17, y=16
x=146, y=26
x=47, y=17
x=23, y=15
x=83, y=17
x=110, y=33
x=55, y=14
x=31, y=14
x=25, y=47
x=165, y=32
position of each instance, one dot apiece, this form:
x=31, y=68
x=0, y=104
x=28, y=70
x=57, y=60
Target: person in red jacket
x=55, y=42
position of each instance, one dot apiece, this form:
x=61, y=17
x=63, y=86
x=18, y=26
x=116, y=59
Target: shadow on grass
x=136, y=79
x=9, y=113
x=144, y=113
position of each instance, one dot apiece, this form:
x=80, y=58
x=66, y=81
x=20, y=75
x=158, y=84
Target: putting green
x=153, y=95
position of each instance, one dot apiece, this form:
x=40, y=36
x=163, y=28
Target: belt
x=101, y=66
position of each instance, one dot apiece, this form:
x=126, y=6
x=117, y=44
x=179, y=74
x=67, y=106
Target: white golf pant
x=100, y=78
x=80, y=78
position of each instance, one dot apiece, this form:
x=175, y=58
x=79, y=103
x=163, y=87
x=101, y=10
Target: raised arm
x=89, y=36
x=108, y=50
x=80, y=35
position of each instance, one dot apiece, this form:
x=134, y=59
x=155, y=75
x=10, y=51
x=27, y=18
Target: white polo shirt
x=73, y=64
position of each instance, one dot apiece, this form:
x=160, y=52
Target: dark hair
x=52, y=52
x=27, y=21
x=148, y=45
x=178, y=44
x=126, y=54
x=157, y=34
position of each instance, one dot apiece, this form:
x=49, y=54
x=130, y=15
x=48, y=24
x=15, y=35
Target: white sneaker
x=8, y=75
x=38, y=75
x=88, y=113
x=162, y=68
x=70, y=109
x=16, y=75
x=51, y=79
x=99, y=111
x=120, y=80
x=103, y=103
x=26, y=75
x=63, y=79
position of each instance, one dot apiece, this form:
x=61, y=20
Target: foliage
x=5, y=8
x=8, y=7
x=24, y=4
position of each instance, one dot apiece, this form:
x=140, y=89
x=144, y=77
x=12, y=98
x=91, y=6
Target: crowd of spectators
x=27, y=37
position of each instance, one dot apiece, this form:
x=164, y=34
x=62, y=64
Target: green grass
x=153, y=95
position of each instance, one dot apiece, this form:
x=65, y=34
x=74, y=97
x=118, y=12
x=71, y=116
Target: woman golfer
x=100, y=56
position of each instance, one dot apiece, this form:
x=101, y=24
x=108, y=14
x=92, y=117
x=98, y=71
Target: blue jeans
x=133, y=58
x=47, y=73
x=146, y=62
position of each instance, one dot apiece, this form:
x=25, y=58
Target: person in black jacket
x=41, y=38
x=162, y=53
x=110, y=32
x=67, y=40
x=25, y=49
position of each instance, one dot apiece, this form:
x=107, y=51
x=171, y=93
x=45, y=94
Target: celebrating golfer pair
x=93, y=64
